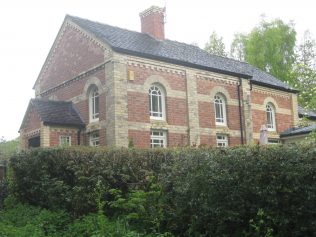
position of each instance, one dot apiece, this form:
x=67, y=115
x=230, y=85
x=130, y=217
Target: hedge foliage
x=241, y=191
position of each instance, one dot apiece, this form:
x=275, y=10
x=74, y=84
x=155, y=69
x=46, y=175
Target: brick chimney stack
x=153, y=21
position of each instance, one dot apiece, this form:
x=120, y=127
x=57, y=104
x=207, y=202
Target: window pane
x=219, y=110
x=222, y=140
x=96, y=106
x=94, y=139
x=158, y=139
x=156, y=102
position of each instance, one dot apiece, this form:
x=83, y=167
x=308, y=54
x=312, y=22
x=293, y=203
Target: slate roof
x=306, y=113
x=298, y=131
x=57, y=112
x=144, y=45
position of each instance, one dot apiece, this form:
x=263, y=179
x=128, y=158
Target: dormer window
x=94, y=104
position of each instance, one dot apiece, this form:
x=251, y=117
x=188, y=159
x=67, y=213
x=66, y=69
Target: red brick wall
x=153, y=24
x=74, y=54
x=233, y=119
x=207, y=140
x=207, y=116
x=140, y=138
x=177, y=139
x=176, y=81
x=258, y=98
x=176, y=111
x=233, y=141
x=259, y=117
x=33, y=122
x=205, y=86
x=54, y=137
x=283, y=122
x=138, y=107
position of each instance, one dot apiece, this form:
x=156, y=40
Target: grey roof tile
x=57, y=112
x=306, y=113
x=298, y=131
x=132, y=42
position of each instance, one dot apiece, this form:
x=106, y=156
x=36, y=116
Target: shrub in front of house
x=241, y=191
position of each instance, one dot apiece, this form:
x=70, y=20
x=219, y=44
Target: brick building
x=103, y=85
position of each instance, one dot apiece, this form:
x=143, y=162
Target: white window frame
x=94, y=138
x=270, y=113
x=158, y=138
x=221, y=140
x=272, y=141
x=156, y=90
x=220, y=119
x=93, y=110
x=64, y=140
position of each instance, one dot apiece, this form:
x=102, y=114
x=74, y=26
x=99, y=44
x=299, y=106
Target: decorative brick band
x=32, y=133
x=65, y=130
x=156, y=67
x=215, y=131
x=271, y=92
x=77, y=78
x=219, y=79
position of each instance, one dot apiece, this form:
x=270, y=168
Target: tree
x=7, y=148
x=215, y=45
x=237, y=48
x=305, y=72
x=270, y=47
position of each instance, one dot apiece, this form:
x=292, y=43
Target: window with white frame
x=222, y=140
x=94, y=139
x=94, y=104
x=220, y=110
x=157, y=102
x=270, y=117
x=158, y=138
x=65, y=140
x=273, y=141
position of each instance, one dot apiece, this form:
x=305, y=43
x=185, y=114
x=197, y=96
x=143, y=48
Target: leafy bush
x=242, y=191
x=218, y=192
x=66, y=178
x=3, y=192
x=18, y=219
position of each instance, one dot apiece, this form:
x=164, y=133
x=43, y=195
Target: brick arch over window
x=91, y=92
x=162, y=84
x=94, y=103
x=157, y=101
x=219, y=98
x=272, y=101
x=271, y=108
x=220, y=107
x=220, y=91
x=160, y=81
x=93, y=81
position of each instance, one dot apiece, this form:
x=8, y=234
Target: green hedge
x=242, y=191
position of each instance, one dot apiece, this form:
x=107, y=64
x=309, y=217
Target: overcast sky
x=29, y=27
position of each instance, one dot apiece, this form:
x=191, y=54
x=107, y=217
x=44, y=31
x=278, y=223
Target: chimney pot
x=152, y=22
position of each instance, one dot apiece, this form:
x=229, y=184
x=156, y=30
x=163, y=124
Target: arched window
x=270, y=117
x=220, y=110
x=94, y=104
x=157, y=102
